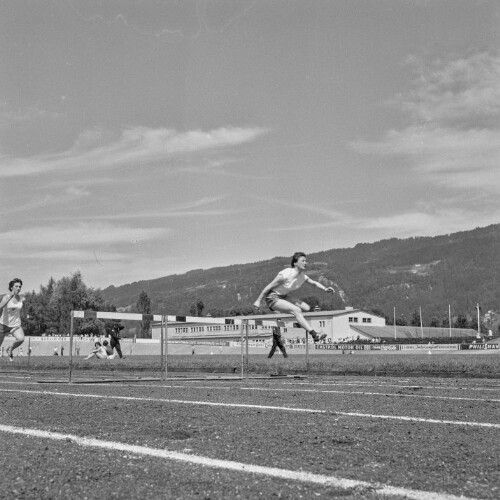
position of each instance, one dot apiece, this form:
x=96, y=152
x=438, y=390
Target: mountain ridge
x=429, y=272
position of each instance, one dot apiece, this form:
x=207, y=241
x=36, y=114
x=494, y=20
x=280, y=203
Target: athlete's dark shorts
x=5, y=330
x=272, y=298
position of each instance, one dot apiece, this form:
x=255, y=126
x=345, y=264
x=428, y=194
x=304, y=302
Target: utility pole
x=478, y=321
x=395, y=334
x=421, y=327
x=449, y=317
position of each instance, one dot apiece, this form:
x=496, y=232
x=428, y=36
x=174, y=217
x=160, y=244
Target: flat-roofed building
x=336, y=324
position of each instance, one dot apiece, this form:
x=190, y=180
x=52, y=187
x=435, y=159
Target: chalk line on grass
x=300, y=476
x=262, y=407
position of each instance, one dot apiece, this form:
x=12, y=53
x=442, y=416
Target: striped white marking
x=320, y=391
x=305, y=477
x=274, y=389
x=365, y=393
x=494, y=388
x=262, y=407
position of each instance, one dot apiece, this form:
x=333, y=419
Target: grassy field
x=449, y=364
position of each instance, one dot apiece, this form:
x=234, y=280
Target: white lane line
x=261, y=407
x=161, y=400
x=319, y=391
x=332, y=391
x=365, y=393
x=399, y=386
x=301, y=476
x=315, y=391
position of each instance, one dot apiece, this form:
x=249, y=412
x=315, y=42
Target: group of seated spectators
x=102, y=351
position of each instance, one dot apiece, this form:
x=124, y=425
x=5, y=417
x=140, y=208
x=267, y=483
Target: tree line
x=48, y=311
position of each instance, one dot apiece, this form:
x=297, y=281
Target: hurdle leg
x=242, y=326
x=246, y=348
x=164, y=330
x=71, y=330
x=307, y=353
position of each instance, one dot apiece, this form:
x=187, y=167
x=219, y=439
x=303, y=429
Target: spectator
x=99, y=352
x=277, y=342
x=115, y=339
x=109, y=350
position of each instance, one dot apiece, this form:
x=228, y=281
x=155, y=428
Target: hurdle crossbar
x=263, y=319
x=167, y=320
x=116, y=315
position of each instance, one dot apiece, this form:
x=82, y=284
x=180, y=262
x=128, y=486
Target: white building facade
x=335, y=324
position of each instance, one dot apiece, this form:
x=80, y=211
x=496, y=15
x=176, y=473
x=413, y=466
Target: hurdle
x=164, y=321
x=75, y=314
x=278, y=321
x=242, y=321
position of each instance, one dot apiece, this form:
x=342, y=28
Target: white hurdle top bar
x=258, y=319
x=116, y=315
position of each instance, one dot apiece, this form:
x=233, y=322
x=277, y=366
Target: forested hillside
x=460, y=270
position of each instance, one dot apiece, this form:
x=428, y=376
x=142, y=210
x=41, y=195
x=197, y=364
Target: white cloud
x=427, y=219
x=135, y=146
x=463, y=91
x=74, y=236
x=10, y=116
x=453, y=138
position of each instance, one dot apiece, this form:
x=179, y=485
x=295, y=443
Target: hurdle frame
x=165, y=319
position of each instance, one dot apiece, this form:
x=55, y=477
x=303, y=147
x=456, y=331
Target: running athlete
x=287, y=281
x=10, y=319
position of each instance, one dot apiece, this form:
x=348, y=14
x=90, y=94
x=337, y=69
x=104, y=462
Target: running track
x=354, y=437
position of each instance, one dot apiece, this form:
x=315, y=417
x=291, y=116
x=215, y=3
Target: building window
x=353, y=319
x=367, y=320
x=322, y=324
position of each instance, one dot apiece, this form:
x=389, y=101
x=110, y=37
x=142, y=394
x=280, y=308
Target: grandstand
x=411, y=333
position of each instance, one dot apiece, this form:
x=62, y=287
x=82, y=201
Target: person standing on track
x=10, y=319
x=114, y=341
x=286, y=282
x=277, y=342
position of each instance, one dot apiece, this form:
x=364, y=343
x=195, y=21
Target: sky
x=145, y=138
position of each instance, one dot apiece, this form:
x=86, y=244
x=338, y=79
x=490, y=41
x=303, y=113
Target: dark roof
x=412, y=332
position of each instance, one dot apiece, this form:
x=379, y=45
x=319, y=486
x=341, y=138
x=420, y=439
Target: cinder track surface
x=349, y=437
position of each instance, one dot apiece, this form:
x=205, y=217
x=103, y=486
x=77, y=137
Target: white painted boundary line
x=365, y=393
x=262, y=407
x=356, y=393
x=399, y=386
x=305, y=477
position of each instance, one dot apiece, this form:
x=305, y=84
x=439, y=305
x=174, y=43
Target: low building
x=338, y=326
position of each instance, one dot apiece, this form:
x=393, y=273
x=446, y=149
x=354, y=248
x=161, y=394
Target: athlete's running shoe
x=316, y=336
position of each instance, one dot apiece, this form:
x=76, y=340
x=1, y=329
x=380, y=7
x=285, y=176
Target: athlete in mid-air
x=287, y=281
